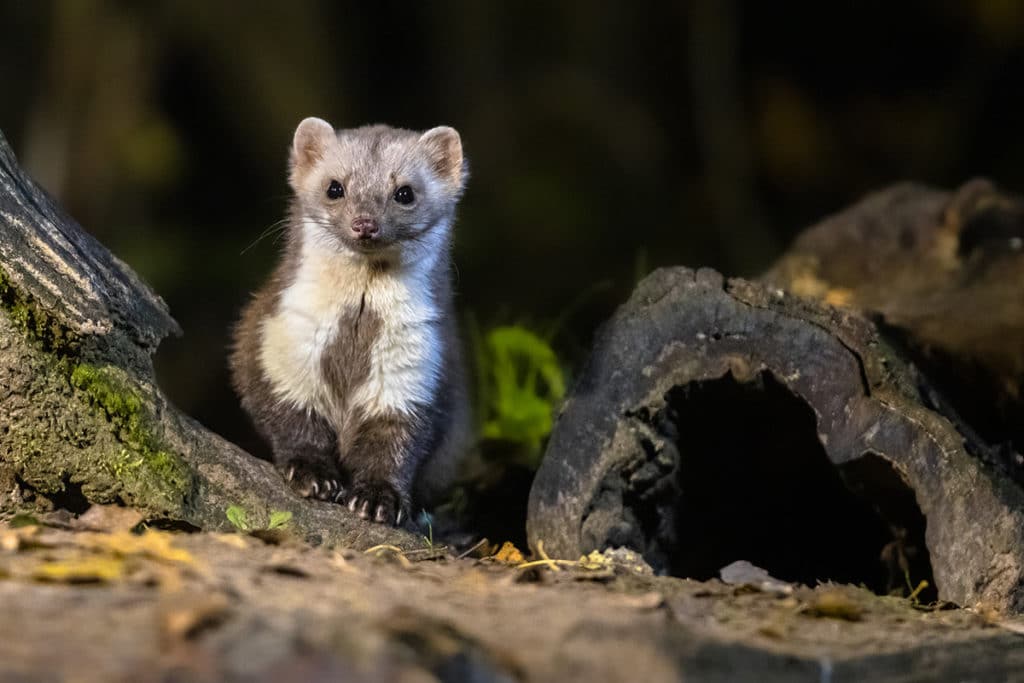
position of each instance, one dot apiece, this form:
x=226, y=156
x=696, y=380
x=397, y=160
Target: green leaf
x=279, y=519
x=238, y=517
x=523, y=384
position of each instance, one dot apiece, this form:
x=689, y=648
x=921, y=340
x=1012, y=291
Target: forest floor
x=91, y=598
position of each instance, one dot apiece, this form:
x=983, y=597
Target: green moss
x=109, y=392
x=148, y=473
x=37, y=325
x=143, y=466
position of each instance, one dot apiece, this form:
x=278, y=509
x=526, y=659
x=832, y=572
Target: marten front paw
x=378, y=501
x=312, y=482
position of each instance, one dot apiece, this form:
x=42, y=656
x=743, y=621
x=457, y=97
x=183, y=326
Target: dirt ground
x=89, y=599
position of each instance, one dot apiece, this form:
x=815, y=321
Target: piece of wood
x=942, y=274
x=720, y=420
x=81, y=418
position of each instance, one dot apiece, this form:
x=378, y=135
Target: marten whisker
x=343, y=356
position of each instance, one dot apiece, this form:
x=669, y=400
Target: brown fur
x=384, y=462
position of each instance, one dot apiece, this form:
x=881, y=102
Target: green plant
x=521, y=383
x=428, y=539
x=238, y=517
x=279, y=519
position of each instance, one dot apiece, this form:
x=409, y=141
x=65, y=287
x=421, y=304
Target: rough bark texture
x=943, y=275
x=878, y=473
x=81, y=418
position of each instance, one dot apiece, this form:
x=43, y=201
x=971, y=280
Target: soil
x=91, y=600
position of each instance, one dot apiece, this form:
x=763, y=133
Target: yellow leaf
x=82, y=570
x=835, y=604
x=153, y=544
x=509, y=554
x=595, y=561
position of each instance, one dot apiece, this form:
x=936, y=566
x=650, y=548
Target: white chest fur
x=405, y=356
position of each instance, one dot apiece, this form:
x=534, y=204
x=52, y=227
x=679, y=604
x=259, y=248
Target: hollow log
x=81, y=418
x=942, y=274
x=720, y=420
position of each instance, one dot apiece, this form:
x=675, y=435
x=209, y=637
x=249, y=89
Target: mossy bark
x=81, y=418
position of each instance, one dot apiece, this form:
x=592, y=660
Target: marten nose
x=365, y=228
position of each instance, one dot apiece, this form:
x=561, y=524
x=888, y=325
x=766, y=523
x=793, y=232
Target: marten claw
x=311, y=483
x=377, y=502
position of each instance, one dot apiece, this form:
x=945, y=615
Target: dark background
x=605, y=139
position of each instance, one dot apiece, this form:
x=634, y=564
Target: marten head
x=376, y=190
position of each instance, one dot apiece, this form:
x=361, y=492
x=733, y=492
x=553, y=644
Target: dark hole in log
x=906, y=560
x=738, y=473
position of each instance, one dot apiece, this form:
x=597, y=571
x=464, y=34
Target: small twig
x=551, y=564
x=917, y=591
x=474, y=547
x=545, y=560
x=375, y=549
x=421, y=551
x=398, y=553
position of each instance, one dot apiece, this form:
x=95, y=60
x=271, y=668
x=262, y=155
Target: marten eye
x=404, y=195
x=335, y=190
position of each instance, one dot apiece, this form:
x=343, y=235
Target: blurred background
x=606, y=139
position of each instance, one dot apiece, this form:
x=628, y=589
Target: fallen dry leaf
x=390, y=553
x=509, y=554
x=834, y=604
x=744, y=574
x=595, y=561
x=156, y=545
x=81, y=570
x=624, y=560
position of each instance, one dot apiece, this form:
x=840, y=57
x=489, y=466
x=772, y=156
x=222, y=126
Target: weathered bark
x=943, y=275
x=81, y=417
x=720, y=420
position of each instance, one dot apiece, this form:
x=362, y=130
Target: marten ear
x=444, y=148
x=311, y=140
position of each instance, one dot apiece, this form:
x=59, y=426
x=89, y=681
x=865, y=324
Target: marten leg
x=306, y=453
x=383, y=458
